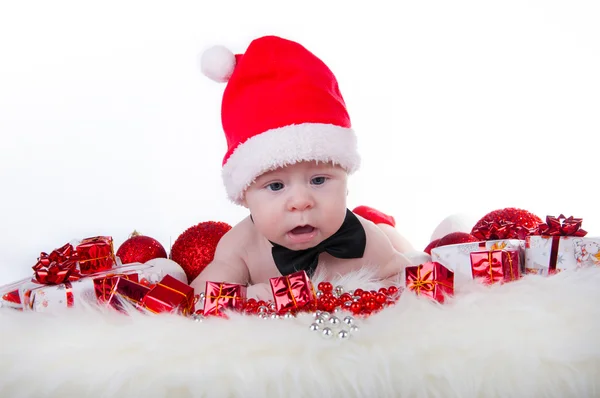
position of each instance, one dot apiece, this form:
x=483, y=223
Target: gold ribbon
x=220, y=296
x=422, y=283
x=289, y=286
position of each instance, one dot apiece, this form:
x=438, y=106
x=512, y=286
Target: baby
x=290, y=152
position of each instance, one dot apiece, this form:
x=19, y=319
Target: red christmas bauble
x=508, y=223
x=139, y=249
x=431, y=245
x=455, y=238
x=195, y=248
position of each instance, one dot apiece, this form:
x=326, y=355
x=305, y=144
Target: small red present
x=104, y=285
x=219, y=296
x=496, y=265
x=293, y=292
x=95, y=254
x=430, y=279
x=170, y=295
x=125, y=289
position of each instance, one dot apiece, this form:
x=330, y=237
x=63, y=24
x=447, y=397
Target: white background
x=107, y=124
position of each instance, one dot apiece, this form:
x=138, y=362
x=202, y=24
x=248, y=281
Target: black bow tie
x=348, y=242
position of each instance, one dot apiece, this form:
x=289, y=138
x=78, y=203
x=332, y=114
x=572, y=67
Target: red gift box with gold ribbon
x=220, y=296
x=292, y=293
x=430, y=279
x=170, y=295
x=126, y=290
x=496, y=265
x=104, y=285
x=95, y=254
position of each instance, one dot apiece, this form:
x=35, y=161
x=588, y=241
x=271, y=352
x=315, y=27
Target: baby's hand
x=260, y=291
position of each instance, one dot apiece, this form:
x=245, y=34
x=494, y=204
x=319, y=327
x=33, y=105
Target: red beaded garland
x=360, y=302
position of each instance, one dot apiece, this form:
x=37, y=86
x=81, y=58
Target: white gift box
x=46, y=298
x=571, y=253
x=457, y=258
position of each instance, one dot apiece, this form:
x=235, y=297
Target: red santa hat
x=281, y=105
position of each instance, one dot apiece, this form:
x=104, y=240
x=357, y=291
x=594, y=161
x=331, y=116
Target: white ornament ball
x=459, y=222
x=168, y=267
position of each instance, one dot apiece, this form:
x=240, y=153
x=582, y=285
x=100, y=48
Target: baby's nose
x=301, y=199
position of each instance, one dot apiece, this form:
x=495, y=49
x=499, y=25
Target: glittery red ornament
x=195, y=248
x=508, y=223
x=139, y=249
x=431, y=245
x=455, y=238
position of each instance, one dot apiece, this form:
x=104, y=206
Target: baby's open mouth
x=305, y=229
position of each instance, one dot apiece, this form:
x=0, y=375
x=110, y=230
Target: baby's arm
x=381, y=251
x=228, y=264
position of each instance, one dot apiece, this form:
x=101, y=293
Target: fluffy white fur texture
x=288, y=145
x=537, y=337
x=217, y=63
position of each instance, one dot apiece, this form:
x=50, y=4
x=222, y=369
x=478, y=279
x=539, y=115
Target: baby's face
x=299, y=206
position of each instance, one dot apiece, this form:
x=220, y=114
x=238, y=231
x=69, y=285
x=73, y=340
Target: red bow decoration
x=57, y=267
x=501, y=229
x=561, y=226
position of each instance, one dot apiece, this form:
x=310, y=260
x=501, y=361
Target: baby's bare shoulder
x=238, y=238
x=378, y=244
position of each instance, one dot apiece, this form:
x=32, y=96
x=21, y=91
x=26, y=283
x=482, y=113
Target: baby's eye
x=275, y=186
x=318, y=180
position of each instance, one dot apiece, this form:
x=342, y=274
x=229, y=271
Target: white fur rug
x=537, y=337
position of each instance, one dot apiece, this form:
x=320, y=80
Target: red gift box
x=127, y=290
x=170, y=295
x=430, y=279
x=95, y=254
x=293, y=292
x=219, y=296
x=496, y=265
x=104, y=285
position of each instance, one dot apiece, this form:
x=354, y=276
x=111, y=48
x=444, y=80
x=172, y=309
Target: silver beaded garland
x=314, y=327
x=198, y=317
x=348, y=320
x=343, y=334
x=334, y=320
x=319, y=294
x=339, y=290
x=288, y=315
x=353, y=328
x=327, y=332
x=325, y=315
x=319, y=321
x=262, y=309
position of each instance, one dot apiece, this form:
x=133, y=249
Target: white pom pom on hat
x=218, y=63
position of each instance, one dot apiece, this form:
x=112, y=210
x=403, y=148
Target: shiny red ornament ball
x=139, y=249
x=511, y=223
x=452, y=238
x=431, y=245
x=455, y=238
x=195, y=248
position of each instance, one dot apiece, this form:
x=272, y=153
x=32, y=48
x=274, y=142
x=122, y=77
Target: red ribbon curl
x=58, y=267
x=561, y=226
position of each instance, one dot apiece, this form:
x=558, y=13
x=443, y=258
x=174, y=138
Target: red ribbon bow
x=500, y=229
x=561, y=226
x=57, y=267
